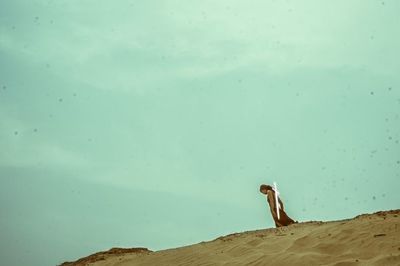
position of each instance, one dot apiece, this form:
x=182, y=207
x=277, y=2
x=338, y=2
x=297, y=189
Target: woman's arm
x=280, y=203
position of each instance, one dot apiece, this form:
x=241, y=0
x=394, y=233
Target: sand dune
x=368, y=239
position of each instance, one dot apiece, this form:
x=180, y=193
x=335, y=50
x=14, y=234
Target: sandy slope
x=369, y=239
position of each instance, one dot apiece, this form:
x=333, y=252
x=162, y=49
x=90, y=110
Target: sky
x=153, y=123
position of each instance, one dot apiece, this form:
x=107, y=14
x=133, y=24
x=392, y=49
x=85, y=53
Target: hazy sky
x=153, y=123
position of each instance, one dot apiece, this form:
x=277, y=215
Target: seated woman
x=284, y=219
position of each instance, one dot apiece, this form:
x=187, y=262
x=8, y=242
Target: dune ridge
x=367, y=239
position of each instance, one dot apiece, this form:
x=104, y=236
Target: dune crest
x=367, y=239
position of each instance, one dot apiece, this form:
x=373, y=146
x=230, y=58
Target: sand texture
x=368, y=239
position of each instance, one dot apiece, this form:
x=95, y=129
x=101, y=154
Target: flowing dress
x=284, y=219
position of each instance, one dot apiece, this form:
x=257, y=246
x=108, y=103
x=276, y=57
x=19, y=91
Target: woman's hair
x=267, y=187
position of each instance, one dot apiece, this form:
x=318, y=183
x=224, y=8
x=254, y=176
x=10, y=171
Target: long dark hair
x=267, y=187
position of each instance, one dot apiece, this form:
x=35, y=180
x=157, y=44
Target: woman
x=284, y=219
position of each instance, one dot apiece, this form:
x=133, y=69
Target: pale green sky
x=153, y=123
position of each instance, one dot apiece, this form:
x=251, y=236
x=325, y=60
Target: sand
x=368, y=239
